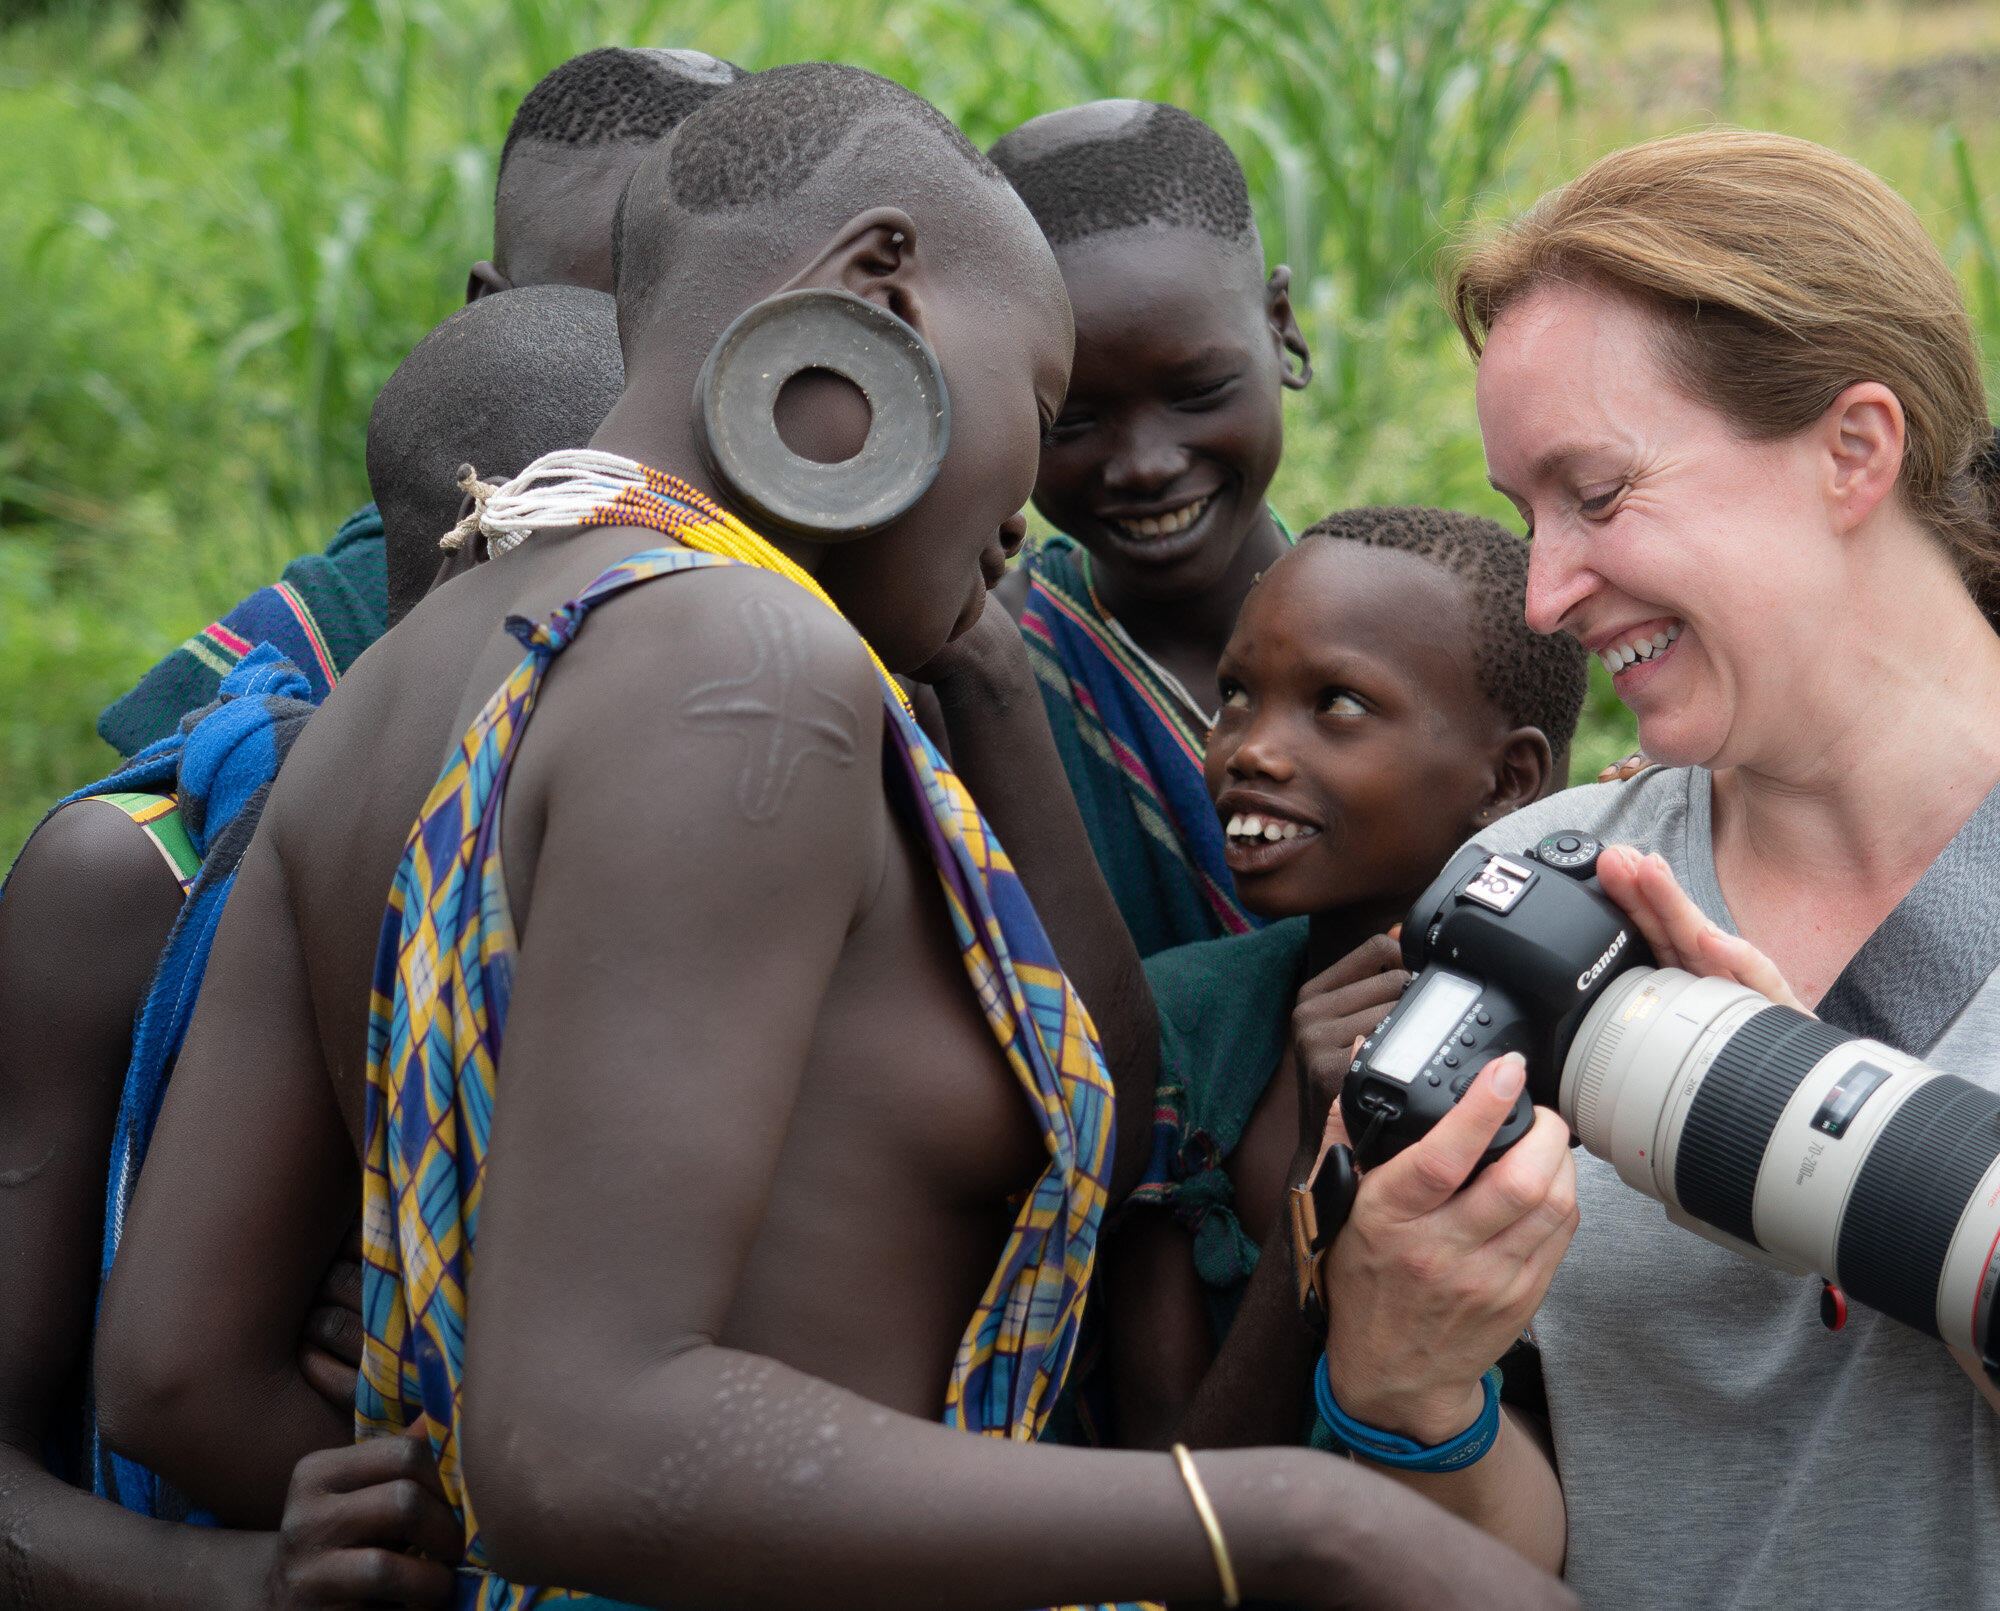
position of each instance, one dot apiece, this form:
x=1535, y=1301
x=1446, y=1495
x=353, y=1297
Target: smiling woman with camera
x=1731, y=386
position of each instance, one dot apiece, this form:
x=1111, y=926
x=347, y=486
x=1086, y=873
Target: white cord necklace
x=558, y=489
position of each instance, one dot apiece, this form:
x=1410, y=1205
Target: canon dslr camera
x=1757, y=1126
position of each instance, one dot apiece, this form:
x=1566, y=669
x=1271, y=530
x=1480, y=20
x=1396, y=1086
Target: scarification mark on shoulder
x=781, y=716
x=21, y=1176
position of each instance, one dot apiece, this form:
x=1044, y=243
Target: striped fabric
x=159, y=815
x=443, y=978
x=323, y=611
x=1133, y=755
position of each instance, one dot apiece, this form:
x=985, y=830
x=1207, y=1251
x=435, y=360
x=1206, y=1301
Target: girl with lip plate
x=1730, y=384
x=1155, y=475
x=1382, y=698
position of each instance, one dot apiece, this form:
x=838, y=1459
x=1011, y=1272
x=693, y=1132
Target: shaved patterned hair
x=615, y=94
x=1533, y=680
x=774, y=133
x=755, y=163
x=1123, y=164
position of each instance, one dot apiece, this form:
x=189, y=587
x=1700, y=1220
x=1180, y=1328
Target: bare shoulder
x=88, y=910
x=734, y=656
x=87, y=874
x=724, y=708
x=681, y=627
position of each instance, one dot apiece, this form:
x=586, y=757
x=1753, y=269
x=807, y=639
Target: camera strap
x=1930, y=956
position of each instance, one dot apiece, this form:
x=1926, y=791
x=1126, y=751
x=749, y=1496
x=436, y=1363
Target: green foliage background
x=221, y=237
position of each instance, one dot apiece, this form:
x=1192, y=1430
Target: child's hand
x=366, y=1525
x=330, y=1351
x=1630, y=767
x=1335, y=1009
x=1679, y=932
x=989, y=651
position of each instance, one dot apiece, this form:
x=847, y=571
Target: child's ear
x=873, y=255
x=1285, y=330
x=483, y=279
x=1522, y=769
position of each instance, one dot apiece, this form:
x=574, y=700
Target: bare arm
x=87, y=912
x=1254, y=1388
x=250, y=1170
x=86, y=915
x=1002, y=749
x=665, y=1005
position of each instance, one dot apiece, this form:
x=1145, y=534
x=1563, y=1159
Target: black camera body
x=1508, y=953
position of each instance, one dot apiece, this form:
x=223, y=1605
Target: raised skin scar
x=21, y=1176
x=782, y=718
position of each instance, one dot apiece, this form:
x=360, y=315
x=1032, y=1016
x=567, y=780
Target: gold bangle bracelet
x=1209, y=1525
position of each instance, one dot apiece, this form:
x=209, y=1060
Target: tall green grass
x=222, y=237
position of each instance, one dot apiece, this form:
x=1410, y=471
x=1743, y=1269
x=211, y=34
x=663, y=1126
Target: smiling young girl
x=1155, y=475
x=1381, y=700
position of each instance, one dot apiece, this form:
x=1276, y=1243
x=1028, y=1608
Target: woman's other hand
x=1680, y=933
x=1429, y=1284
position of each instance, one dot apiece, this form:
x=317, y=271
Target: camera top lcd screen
x=1432, y=1016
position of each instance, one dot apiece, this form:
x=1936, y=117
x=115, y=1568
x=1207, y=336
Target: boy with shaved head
x=123, y=885
x=573, y=143
x=733, y=1052
x=1154, y=476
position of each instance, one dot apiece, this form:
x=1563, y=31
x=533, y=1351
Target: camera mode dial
x=1569, y=851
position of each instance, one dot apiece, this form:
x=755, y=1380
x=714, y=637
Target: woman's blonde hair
x=1782, y=273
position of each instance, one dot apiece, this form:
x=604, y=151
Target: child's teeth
x=1167, y=524
x=1274, y=830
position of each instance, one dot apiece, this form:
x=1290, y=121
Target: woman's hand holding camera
x=1429, y=1284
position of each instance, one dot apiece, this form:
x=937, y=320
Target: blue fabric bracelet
x=1399, y=1453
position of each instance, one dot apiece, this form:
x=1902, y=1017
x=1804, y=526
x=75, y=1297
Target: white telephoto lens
x=1795, y=1144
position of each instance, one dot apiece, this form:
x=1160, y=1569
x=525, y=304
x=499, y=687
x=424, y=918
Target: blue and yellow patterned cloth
x=443, y=978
